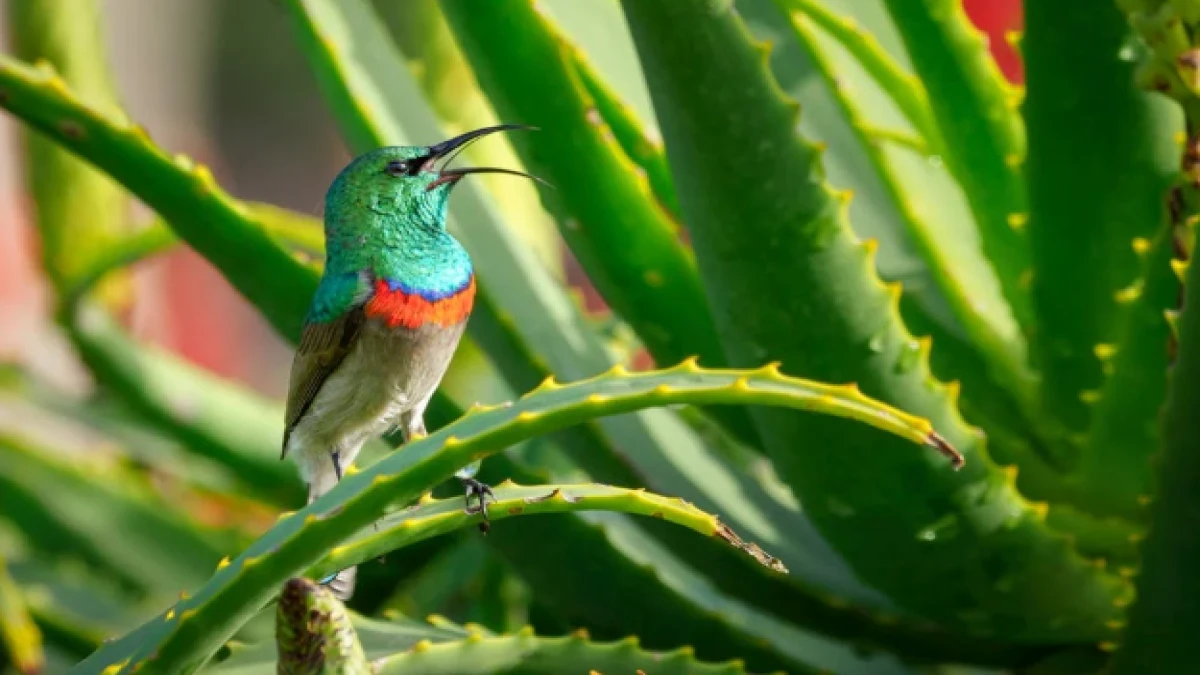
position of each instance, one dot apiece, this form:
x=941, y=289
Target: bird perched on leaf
x=387, y=316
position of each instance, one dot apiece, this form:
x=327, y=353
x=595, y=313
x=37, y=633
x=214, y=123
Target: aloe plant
x=798, y=210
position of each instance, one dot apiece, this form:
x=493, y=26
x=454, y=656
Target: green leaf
x=1161, y=637
x=635, y=140
x=904, y=522
x=209, y=416
x=75, y=609
x=105, y=514
x=433, y=517
x=401, y=645
x=629, y=246
x=78, y=210
x=984, y=140
x=19, y=635
x=187, y=634
x=1082, y=216
x=221, y=229
x=528, y=654
x=1115, y=473
x=378, y=639
x=906, y=91
x=971, y=296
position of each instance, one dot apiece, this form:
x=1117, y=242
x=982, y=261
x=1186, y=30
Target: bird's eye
x=396, y=168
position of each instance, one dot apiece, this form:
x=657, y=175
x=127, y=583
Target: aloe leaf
x=984, y=140
x=889, y=529
x=928, y=183
x=445, y=579
x=616, y=566
x=19, y=635
x=605, y=207
x=379, y=639
x=186, y=635
x=75, y=609
x=211, y=417
x=1081, y=217
x=433, y=517
x=1164, y=619
x=525, y=652
x=905, y=89
x=442, y=647
x=630, y=132
x=105, y=515
x=988, y=326
x=314, y=634
x=629, y=246
x=1115, y=471
x=450, y=87
x=79, y=210
x=220, y=228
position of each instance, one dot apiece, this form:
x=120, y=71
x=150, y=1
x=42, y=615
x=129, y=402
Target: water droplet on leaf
x=910, y=356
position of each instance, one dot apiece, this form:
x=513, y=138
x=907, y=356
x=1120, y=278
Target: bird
x=388, y=313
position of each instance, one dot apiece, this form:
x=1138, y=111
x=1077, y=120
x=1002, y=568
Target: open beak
x=448, y=149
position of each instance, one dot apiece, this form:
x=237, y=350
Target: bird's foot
x=481, y=492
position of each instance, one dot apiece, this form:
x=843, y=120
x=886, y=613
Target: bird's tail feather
x=341, y=584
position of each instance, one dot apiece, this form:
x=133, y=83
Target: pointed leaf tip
x=935, y=441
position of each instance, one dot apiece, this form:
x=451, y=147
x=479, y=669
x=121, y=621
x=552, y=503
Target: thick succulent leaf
x=906, y=90
x=220, y=228
x=104, y=514
x=19, y=635
x=970, y=296
x=445, y=579
x=401, y=645
x=1115, y=471
x=644, y=150
x=694, y=595
x=379, y=639
x=211, y=417
x=615, y=566
x=905, y=523
x=75, y=609
x=78, y=223
x=1161, y=637
x=1083, y=215
x=931, y=191
x=529, y=654
x=188, y=633
x=629, y=246
x=984, y=140
x=432, y=517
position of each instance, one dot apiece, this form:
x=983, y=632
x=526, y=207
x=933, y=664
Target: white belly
x=388, y=376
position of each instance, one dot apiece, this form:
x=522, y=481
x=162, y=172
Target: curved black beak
x=448, y=149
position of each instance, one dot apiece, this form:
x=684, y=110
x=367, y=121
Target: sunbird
x=387, y=316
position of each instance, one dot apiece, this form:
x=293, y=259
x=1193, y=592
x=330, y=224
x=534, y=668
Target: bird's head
x=410, y=183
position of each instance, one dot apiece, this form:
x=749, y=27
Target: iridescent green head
x=406, y=182
x=387, y=209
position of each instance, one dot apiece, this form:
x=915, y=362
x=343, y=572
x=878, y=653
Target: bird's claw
x=481, y=492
